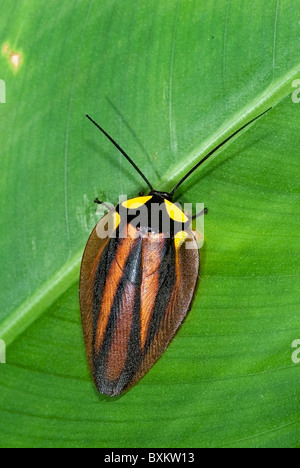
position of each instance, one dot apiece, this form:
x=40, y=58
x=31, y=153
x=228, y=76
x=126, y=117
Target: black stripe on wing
x=132, y=274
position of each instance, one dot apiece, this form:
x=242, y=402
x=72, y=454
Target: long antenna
x=122, y=151
x=213, y=151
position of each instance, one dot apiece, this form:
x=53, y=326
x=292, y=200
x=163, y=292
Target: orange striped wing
x=134, y=293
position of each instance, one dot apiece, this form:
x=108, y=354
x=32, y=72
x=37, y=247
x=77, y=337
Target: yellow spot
x=175, y=213
x=108, y=225
x=179, y=238
x=15, y=59
x=135, y=203
x=116, y=220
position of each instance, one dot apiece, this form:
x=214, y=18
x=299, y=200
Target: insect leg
x=98, y=202
x=205, y=211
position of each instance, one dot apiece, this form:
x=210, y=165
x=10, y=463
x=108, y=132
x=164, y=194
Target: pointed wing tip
x=111, y=391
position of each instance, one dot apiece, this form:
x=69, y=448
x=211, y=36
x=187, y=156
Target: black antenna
x=122, y=151
x=213, y=151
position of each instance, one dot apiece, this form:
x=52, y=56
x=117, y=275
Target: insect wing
x=177, y=280
x=96, y=245
x=135, y=291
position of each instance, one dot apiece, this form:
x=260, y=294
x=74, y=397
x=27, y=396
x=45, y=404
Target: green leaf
x=169, y=80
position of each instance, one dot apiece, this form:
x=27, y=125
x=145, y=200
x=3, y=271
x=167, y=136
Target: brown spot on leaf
x=5, y=49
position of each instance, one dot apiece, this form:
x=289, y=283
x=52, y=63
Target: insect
x=137, y=282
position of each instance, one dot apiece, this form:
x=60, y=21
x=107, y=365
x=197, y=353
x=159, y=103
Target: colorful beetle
x=137, y=283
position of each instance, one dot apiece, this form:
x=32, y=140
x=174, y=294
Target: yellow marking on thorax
x=116, y=220
x=179, y=238
x=135, y=203
x=175, y=213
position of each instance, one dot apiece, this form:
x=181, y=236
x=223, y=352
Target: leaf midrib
x=46, y=294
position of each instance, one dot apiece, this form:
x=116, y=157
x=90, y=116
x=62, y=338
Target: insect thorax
x=153, y=213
